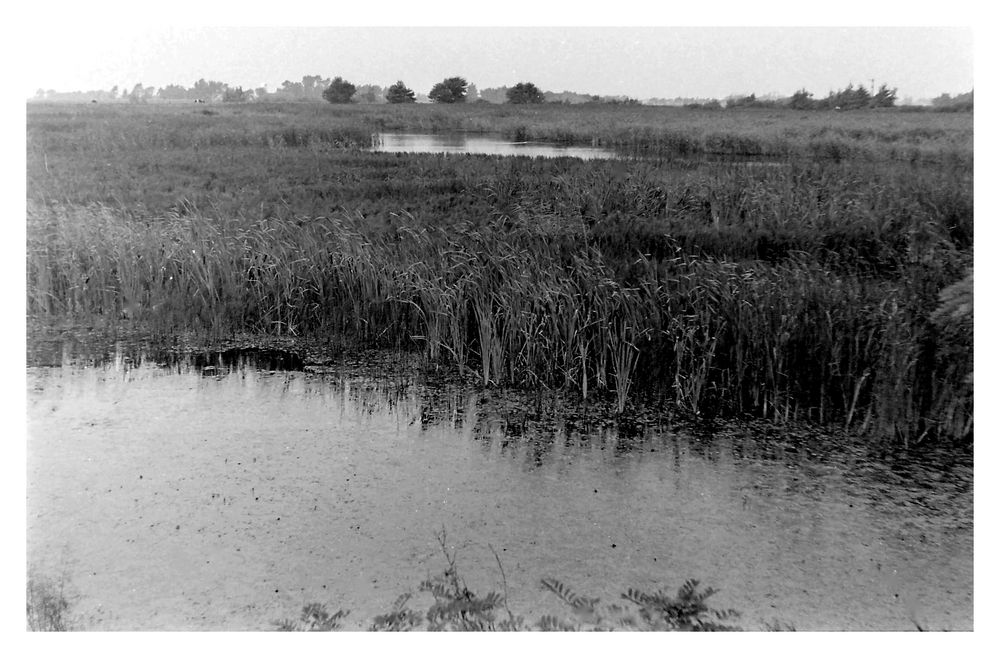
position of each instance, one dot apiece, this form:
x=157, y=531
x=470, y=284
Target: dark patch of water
x=235, y=359
x=208, y=362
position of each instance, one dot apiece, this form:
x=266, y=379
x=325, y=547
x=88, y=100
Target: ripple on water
x=226, y=490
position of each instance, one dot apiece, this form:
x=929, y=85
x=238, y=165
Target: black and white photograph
x=472, y=327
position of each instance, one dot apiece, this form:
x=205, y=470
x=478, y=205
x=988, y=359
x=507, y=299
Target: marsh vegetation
x=802, y=290
x=804, y=275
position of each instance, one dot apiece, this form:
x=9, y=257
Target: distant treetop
x=524, y=92
x=449, y=90
x=339, y=91
x=399, y=93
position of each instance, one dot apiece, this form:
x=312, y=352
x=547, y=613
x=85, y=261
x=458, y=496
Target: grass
x=665, y=131
x=805, y=290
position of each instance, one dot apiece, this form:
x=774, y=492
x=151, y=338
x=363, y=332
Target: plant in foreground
x=457, y=608
x=47, y=606
x=657, y=611
x=315, y=617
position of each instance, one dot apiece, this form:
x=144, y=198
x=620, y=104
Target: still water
x=462, y=143
x=226, y=491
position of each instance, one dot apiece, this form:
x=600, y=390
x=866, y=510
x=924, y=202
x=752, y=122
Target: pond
x=225, y=491
x=465, y=143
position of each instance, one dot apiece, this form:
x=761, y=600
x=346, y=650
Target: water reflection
x=768, y=519
x=465, y=143
x=404, y=389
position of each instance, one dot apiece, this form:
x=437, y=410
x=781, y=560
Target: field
x=793, y=266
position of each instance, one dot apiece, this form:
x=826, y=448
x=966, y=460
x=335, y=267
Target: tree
x=292, y=89
x=801, y=100
x=312, y=85
x=496, y=95
x=851, y=98
x=450, y=90
x=236, y=95
x=885, y=97
x=339, y=91
x=173, y=93
x=524, y=92
x=369, y=94
x=138, y=94
x=399, y=93
x=209, y=89
x=960, y=103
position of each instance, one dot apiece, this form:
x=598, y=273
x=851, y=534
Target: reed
x=880, y=136
x=792, y=340
x=800, y=290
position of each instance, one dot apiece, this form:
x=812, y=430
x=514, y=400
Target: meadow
x=792, y=266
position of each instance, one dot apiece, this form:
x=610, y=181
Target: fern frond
x=636, y=596
x=551, y=623
x=569, y=597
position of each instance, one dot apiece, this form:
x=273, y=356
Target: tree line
x=311, y=87
x=450, y=90
x=457, y=89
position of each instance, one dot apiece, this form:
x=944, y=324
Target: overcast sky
x=87, y=50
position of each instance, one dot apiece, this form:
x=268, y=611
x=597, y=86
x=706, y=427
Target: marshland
x=268, y=362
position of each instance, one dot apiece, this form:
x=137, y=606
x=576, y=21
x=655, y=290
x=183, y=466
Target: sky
x=640, y=62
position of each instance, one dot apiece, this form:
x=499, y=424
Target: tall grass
x=780, y=341
x=666, y=131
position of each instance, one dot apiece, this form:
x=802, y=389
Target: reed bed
x=796, y=288
x=782, y=341
x=667, y=131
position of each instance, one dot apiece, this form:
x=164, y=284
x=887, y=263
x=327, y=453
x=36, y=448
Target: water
x=224, y=492
x=462, y=143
